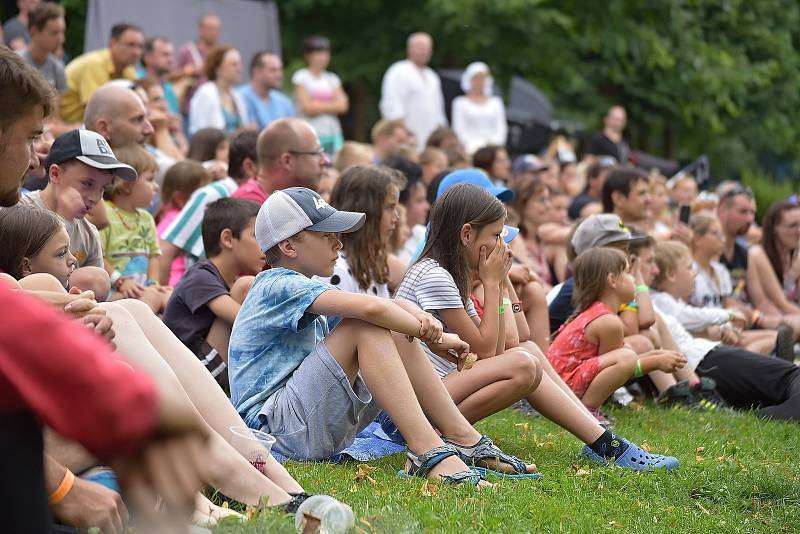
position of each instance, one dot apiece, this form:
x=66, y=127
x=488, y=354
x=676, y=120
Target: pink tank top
x=570, y=348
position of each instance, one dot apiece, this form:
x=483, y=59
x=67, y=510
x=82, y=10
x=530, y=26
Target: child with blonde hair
x=130, y=246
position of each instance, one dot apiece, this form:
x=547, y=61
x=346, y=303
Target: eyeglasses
x=318, y=152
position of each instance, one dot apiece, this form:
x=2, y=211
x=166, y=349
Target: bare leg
x=493, y=384
x=435, y=400
x=617, y=367
x=158, y=355
x=557, y=402
x=761, y=341
x=359, y=346
x=534, y=305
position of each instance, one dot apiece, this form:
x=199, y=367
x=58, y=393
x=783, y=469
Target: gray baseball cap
x=290, y=211
x=90, y=148
x=599, y=231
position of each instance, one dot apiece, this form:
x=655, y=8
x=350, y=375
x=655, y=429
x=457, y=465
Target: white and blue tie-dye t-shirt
x=272, y=335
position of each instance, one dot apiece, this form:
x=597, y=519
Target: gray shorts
x=317, y=413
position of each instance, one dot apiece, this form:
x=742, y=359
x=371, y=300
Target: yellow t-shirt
x=84, y=75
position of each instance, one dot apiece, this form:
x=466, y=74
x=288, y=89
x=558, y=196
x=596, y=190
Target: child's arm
x=508, y=324
x=608, y=332
x=483, y=338
x=154, y=267
x=374, y=310
x=520, y=321
x=224, y=307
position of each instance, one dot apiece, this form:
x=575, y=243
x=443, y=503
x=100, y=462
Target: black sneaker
x=679, y=394
x=784, y=344
x=294, y=503
x=707, y=395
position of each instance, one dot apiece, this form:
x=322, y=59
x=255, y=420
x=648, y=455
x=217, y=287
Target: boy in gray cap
x=312, y=387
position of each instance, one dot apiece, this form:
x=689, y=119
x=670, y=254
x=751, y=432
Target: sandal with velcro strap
x=421, y=466
x=484, y=450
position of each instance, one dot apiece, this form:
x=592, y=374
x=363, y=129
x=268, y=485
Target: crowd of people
x=190, y=254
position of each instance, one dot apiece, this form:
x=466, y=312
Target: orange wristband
x=63, y=489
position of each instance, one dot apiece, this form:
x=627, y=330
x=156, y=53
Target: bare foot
x=208, y=514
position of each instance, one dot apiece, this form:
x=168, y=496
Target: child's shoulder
x=604, y=325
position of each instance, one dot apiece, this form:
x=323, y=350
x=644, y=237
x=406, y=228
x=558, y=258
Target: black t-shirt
x=561, y=308
x=187, y=313
x=600, y=145
x=737, y=266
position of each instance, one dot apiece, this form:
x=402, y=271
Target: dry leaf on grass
x=580, y=471
x=699, y=449
x=428, y=489
x=646, y=447
x=362, y=473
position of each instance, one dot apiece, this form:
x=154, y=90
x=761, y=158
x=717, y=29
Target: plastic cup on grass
x=253, y=444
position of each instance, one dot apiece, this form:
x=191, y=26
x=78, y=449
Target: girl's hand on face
x=636, y=269
x=494, y=264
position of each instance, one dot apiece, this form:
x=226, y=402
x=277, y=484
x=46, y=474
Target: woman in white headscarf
x=479, y=118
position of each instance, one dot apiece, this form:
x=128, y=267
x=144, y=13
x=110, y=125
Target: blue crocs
x=635, y=458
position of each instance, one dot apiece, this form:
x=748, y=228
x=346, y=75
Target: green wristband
x=502, y=310
x=641, y=288
x=637, y=373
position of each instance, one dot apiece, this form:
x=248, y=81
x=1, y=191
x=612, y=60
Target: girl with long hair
x=465, y=247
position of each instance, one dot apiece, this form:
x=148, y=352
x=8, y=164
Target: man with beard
x=737, y=212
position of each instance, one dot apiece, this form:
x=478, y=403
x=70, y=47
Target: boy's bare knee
x=91, y=278
x=639, y=343
x=41, y=282
x=241, y=287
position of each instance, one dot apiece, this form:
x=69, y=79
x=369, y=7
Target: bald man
x=289, y=155
x=412, y=91
x=118, y=114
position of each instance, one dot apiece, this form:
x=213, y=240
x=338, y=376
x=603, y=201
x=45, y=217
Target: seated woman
x=494, y=160
x=773, y=268
x=479, y=117
x=36, y=253
x=543, y=246
x=216, y=103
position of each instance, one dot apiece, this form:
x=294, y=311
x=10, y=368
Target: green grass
x=738, y=474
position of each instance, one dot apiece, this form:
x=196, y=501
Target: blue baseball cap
x=475, y=177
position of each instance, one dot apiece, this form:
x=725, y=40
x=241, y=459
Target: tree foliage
x=714, y=76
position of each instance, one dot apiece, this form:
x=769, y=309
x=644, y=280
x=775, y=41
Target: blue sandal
x=634, y=458
x=421, y=466
x=485, y=449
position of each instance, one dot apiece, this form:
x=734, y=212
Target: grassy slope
x=738, y=474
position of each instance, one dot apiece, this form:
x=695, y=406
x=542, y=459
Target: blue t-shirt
x=169, y=91
x=272, y=335
x=279, y=106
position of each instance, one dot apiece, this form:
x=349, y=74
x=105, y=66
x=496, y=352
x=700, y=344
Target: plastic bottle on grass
x=325, y=515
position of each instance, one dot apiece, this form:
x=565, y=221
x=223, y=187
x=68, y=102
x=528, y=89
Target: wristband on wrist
x=63, y=489
x=502, y=310
x=506, y=302
x=115, y=276
x=641, y=288
x=516, y=307
x=151, y=282
x=731, y=314
x=638, y=371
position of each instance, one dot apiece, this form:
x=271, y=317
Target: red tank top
x=570, y=348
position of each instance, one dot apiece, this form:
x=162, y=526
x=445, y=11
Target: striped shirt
x=432, y=288
x=185, y=231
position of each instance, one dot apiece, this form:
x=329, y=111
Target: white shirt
x=205, y=108
x=319, y=88
x=692, y=318
x=414, y=95
x=707, y=291
x=343, y=279
x=694, y=348
x=478, y=125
